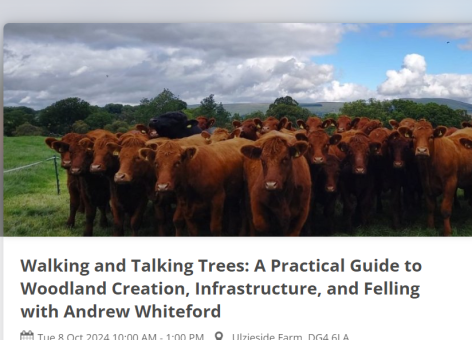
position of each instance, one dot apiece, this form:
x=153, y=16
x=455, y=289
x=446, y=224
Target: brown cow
x=205, y=179
x=357, y=181
x=444, y=165
x=132, y=184
x=271, y=124
x=315, y=124
x=205, y=123
x=381, y=165
x=343, y=124
x=278, y=184
x=407, y=122
x=249, y=128
x=73, y=185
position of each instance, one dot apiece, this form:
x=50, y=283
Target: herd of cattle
x=264, y=177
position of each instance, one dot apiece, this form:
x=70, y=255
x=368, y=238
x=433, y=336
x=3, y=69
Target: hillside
x=322, y=108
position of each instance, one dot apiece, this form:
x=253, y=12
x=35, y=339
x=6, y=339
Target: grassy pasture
x=33, y=208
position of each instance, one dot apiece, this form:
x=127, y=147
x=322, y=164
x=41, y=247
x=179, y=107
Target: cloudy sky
x=238, y=63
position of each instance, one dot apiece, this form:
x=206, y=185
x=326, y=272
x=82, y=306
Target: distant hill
x=322, y=108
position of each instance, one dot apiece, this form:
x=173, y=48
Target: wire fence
x=36, y=163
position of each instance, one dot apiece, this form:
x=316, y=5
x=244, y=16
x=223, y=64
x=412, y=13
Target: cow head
x=466, y=124
x=400, y=149
x=423, y=136
x=205, y=123
x=357, y=151
x=379, y=142
x=319, y=143
x=343, y=124
x=131, y=165
x=371, y=126
x=63, y=148
x=169, y=161
x=219, y=135
x=315, y=124
x=103, y=160
x=81, y=156
x=271, y=124
x=332, y=171
x=276, y=157
x=248, y=128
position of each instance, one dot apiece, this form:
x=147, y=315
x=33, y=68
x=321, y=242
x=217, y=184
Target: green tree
x=15, y=116
x=115, y=109
x=287, y=107
x=117, y=126
x=98, y=120
x=59, y=117
x=164, y=102
x=80, y=127
x=28, y=129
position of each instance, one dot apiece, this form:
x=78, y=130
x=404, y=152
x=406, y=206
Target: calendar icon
x=26, y=335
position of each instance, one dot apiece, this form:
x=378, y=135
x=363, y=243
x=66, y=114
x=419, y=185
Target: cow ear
x=405, y=132
x=60, y=147
x=118, y=134
x=235, y=134
x=236, y=123
x=466, y=142
x=440, y=131
x=147, y=154
x=143, y=128
x=394, y=135
x=258, y=123
x=301, y=124
x=206, y=135
x=114, y=149
x=210, y=123
x=189, y=153
x=335, y=139
x=466, y=124
x=50, y=140
x=393, y=123
x=191, y=123
x=298, y=149
x=342, y=146
x=374, y=146
x=251, y=151
x=86, y=143
x=327, y=123
x=283, y=123
x=354, y=122
x=301, y=137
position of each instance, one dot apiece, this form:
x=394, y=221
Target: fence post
x=57, y=175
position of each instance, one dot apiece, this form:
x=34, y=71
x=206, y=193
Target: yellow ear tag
x=297, y=154
x=143, y=132
x=332, y=124
x=189, y=126
x=208, y=139
x=89, y=149
x=440, y=134
x=116, y=153
x=258, y=126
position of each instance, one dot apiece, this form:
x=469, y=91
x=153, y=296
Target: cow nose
x=271, y=185
x=330, y=188
x=75, y=171
x=421, y=151
x=66, y=163
x=341, y=130
x=318, y=160
x=121, y=177
x=360, y=170
x=95, y=167
x=398, y=164
x=163, y=187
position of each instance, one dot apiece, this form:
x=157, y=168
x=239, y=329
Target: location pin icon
x=219, y=336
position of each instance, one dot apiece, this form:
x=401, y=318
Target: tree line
x=77, y=115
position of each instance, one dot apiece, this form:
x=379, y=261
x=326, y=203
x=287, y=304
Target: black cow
x=174, y=125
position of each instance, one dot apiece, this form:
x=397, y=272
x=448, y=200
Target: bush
x=28, y=129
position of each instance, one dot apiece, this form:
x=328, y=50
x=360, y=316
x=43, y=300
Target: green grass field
x=33, y=208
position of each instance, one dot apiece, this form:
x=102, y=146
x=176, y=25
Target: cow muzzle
x=271, y=186
x=66, y=164
x=360, y=171
x=163, y=187
x=422, y=152
x=96, y=168
x=75, y=171
x=318, y=160
x=330, y=188
x=398, y=165
x=121, y=177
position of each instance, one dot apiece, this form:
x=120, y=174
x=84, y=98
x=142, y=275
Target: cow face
x=371, y=126
x=276, y=159
x=315, y=124
x=63, y=147
x=399, y=148
x=271, y=124
x=132, y=166
x=379, y=142
x=103, y=160
x=357, y=152
x=423, y=136
x=205, y=123
x=169, y=161
x=248, y=128
x=319, y=143
x=81, y=156
x=343, y=124
x=219, y=135
x=332, y=171
x=466, y=124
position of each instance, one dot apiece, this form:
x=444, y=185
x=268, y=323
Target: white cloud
x=79, y=71
x=449, y=31
x=412, y=80
x=26, y=100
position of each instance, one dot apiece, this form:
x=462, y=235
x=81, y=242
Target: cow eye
x=156, y=165
x=326, y=146
x=284, y=160
x=263, y=163
x=177, y=164
x=431, y=137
